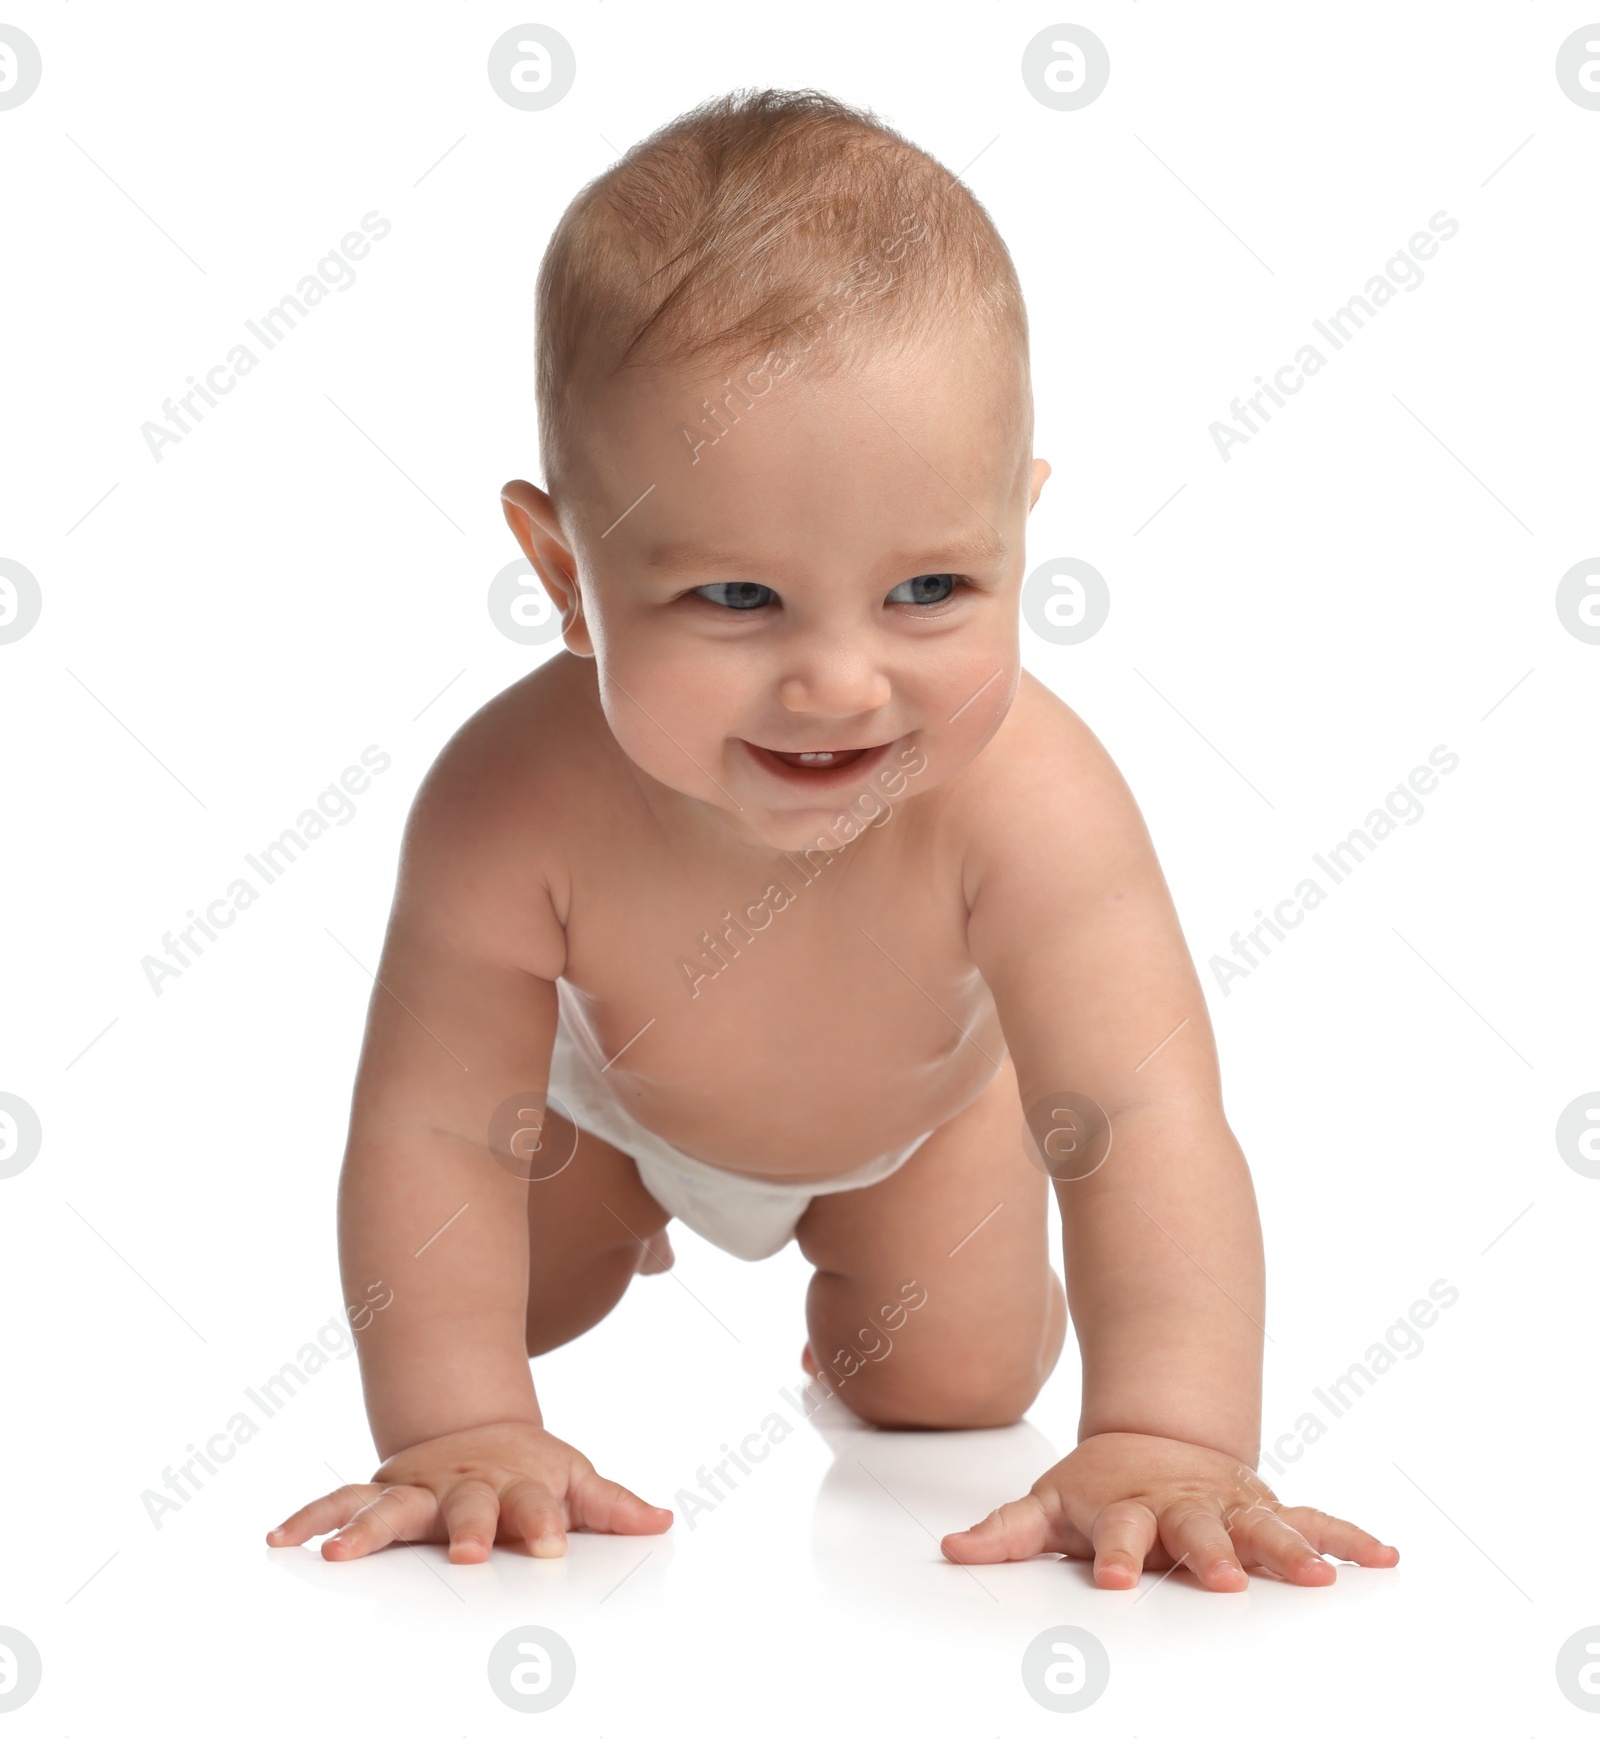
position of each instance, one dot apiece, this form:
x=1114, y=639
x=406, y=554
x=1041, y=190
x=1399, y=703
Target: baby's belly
x=794, y=1092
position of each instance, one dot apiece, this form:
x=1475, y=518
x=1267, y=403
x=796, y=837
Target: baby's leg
x=591, y=1228
x=964, y=1222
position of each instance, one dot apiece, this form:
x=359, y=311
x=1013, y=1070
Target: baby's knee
x=970, y=1391
x=938, y=1403
x=566, y=1303
x=957, y=1373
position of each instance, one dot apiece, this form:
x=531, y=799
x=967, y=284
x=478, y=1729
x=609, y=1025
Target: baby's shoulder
x=1041, y=747
x=1044, y=791
x=505, y=764
x=485, y=842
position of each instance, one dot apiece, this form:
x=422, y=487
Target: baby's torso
x=781, y=1014
x=773, y=1023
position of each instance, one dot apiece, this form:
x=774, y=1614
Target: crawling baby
x=784, y=903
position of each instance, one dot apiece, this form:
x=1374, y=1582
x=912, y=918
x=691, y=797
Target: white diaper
x=749, y=1217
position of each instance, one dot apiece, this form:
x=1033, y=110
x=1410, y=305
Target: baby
x=784, y=903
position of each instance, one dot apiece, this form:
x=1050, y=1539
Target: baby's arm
x=462, y=1017
x=1075, y=933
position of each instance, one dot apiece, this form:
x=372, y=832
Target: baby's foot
x=657, y=1256
x=808, y=1361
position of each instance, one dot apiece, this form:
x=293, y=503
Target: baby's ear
x=528, y=512
x=574, y=630
x=1041, y=470
x=532, y=517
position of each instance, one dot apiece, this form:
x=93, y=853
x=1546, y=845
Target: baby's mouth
x=817, y=767
x=818, y=757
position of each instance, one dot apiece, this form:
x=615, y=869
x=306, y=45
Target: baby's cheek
x=659, y=733
x=966, y=715
x=632, y=737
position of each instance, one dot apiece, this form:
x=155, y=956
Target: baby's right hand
x=507, y=1481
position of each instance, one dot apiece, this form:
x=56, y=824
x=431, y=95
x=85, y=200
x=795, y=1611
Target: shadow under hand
x=593, y=1567
x=890, y=1496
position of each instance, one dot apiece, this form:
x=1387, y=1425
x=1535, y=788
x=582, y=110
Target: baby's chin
x=754, y=803
x=802, y=830
x=798, y=821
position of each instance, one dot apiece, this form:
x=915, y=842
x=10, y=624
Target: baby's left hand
x=1136, y=1503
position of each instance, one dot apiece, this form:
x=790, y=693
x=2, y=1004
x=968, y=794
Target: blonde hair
x=729, y=230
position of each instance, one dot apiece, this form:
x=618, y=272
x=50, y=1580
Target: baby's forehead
x=897, y=454
x=954, y=369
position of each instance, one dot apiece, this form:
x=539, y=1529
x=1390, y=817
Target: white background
x=305, y=574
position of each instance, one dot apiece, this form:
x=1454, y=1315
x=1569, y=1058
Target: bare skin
x=1003, y=932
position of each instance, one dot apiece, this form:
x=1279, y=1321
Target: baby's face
x=835, y=576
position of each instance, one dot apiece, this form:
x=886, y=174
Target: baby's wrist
x=1241, y=1443
x=393, y=1434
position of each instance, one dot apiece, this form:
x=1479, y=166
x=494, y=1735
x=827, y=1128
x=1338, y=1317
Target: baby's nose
x=836, y=686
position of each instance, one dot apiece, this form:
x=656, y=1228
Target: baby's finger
x=1271, y=1542
x=1123, y=1535
x=532, y=1510
x=1015, y=1530
x=1193, y=1533
x=609, y=1508
x=1342, y=1539
x=470, y=1512
x=322, y=1515
x=397, y=1512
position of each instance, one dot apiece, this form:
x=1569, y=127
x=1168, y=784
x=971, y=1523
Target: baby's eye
x=736, y=594
x=925, y=589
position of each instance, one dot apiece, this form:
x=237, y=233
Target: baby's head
x=786, y=428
